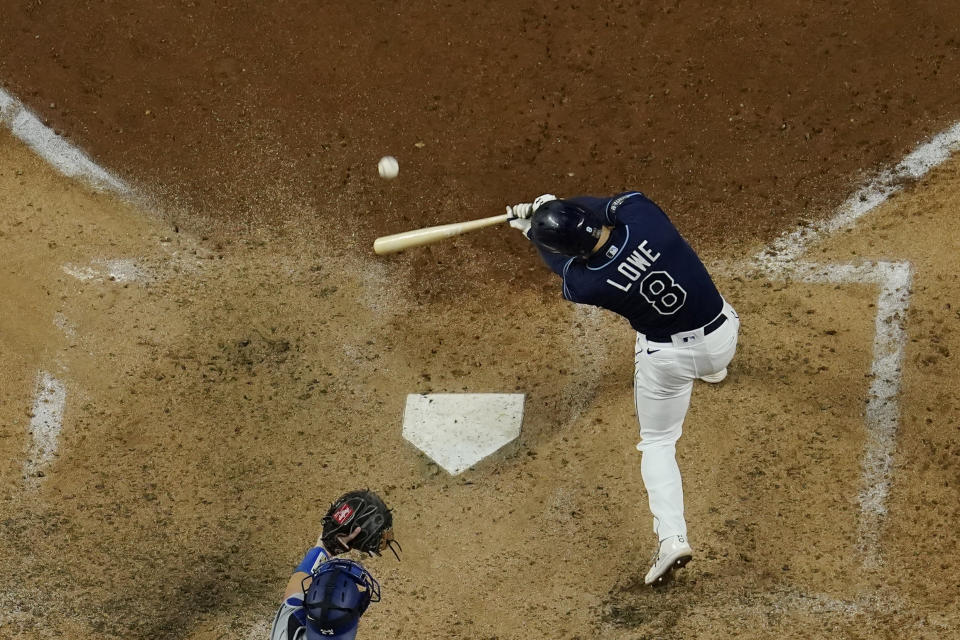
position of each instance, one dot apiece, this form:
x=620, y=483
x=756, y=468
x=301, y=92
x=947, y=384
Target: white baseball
x=388, y=167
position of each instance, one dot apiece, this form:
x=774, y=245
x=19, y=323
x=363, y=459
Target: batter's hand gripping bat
x=429, y=235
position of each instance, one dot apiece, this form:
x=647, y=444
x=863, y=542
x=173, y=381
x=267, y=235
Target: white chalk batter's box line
x=58, y=152
x=883, y=407
x=46, y=421
x=50, y=395
x=789, y=247
x=782, y=260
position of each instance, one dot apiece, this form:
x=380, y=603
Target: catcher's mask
x=563, y=227
x=339, y=593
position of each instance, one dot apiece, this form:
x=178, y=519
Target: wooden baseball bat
x=429, y=235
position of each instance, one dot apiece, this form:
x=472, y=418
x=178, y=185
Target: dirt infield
x=233, y=356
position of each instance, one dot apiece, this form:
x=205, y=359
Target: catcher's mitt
x=363, y=510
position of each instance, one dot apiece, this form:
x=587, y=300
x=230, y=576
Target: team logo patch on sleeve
x=343, y=514
x=616, y=202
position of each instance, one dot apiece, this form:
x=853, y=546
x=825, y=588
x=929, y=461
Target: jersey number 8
x=662, y=292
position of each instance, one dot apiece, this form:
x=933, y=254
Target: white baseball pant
x=663, y=381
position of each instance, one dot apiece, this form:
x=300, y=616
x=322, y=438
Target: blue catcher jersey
x=290, y=620
x=645, y=272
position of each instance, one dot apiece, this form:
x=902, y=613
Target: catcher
x=326, y=596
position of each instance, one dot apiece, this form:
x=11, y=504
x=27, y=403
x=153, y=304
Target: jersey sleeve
x=313, y=559
x=607, y=208
x=555, y=261
x=570, y=291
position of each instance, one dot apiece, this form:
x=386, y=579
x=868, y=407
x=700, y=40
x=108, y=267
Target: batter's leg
x=663, y=383
x=661, y=477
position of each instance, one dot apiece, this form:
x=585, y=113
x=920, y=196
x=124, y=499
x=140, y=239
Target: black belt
x=709, y=328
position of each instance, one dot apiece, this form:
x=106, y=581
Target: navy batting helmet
x=563, y=227
x=339, y=592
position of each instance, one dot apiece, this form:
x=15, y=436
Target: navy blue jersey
x=645, y=272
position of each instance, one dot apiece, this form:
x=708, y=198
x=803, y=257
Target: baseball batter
x=623, y=254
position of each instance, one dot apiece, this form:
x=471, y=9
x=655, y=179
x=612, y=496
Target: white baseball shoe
x=673, y=553
x=714, y=378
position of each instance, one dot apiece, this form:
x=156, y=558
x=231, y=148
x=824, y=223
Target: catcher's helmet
x=339, y=592
x=563, y=227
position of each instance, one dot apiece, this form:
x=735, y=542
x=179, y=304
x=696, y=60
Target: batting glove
x=522, y=225
x=539, y=201
x=523, y=210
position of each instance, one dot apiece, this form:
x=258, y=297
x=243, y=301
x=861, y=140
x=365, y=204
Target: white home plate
x=458, y=430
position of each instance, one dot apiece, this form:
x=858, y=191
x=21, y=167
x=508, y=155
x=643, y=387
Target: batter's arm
x=555, y=261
